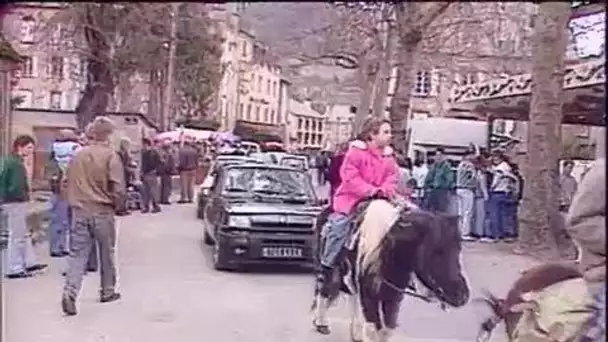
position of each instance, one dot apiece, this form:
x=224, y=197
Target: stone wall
x=43, y=125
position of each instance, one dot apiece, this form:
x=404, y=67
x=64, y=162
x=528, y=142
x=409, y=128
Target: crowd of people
x=484, y=189
x=91, y=181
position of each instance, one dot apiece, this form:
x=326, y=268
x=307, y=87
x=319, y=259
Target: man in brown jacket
x=586, y=224
x=187, y=164
x=94, y=187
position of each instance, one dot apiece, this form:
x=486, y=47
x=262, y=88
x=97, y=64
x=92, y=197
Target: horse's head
x=438, y=253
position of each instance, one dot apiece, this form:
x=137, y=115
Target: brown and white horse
x=392, y=245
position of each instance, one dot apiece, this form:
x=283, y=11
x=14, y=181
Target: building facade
x=252, y=91
x=339, y=125
x=52, y=75
x=307, y=126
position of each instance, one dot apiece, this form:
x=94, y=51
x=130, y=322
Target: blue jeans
x=59, y=226
x=335, y=232
x=497, y=215
x=478, y=227
x=596, y=327
x=510, y=218
x=19, y=254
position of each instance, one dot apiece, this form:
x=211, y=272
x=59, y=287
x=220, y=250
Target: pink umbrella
x=185, y=133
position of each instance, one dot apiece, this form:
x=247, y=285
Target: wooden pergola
x=509, y=98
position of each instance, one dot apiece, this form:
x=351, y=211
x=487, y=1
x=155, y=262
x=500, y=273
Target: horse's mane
x=383, y=221
x=378, y=220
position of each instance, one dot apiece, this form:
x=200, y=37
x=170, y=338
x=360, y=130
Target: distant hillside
x=286, y=28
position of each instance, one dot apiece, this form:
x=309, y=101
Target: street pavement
x=171, y=292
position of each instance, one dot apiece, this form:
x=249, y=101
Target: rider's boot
x=322, y=292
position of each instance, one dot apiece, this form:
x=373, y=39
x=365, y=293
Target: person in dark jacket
x=439, y=182
x=150, y=161
x=165, y=171
x=14, y=195
x=125, y=158
x=333, y=170
x=187, y=164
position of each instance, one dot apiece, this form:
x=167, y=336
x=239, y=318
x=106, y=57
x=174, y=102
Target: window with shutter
x=422, y=86
x=57, y=34
x=55, y=100
x=28, y=28
x=27, y=68
x=56, y=67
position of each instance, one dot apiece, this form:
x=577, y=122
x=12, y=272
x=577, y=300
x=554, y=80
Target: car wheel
x=219, y=262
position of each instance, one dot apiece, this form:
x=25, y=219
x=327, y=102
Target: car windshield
x=229, y=161
x=296, y=163
x=268, y=182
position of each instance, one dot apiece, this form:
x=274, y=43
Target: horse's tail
x=496, y=305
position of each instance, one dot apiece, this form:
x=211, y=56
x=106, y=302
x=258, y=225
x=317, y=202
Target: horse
x=376, y=268
x=511, y=309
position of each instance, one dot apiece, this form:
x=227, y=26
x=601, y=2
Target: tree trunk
x=100, y=83
x=409, y=39
x=540, y=216
x=411, y=24
x=384, y=73
x=366, y=81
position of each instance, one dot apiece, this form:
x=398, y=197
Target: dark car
x=260, y=214
x=222, y=160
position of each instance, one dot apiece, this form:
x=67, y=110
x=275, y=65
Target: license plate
x=281, y=252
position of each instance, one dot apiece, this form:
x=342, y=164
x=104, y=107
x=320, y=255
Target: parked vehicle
x=250, y=147
x=207, y=183
x=296, y=161
x=260, y=214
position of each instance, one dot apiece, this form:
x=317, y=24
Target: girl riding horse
x=368, y=170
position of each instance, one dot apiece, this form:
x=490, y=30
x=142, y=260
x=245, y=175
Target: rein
x=411, y=293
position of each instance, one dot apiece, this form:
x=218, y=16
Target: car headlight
x=238, y=221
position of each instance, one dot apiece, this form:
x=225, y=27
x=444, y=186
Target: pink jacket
x=363, y=171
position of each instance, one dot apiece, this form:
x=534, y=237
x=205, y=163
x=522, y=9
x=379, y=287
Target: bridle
x=407, y=291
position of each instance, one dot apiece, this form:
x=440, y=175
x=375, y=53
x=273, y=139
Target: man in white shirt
x=501, y=190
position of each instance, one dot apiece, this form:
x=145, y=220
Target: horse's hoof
x=323, y=329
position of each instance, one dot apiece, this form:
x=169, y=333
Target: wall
x=299, y=113
x=130, y=126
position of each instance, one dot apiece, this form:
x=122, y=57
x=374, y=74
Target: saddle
x=359, y=214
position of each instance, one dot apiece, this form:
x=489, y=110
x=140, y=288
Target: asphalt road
x=171, y=292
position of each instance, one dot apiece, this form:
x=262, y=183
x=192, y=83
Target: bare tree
x=198, y=67
x=540, y=216
x=120, y=40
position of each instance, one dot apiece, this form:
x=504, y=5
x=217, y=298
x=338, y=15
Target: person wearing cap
x=62, y=151
x=95, y=186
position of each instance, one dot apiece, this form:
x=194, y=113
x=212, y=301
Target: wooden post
x=490, y=125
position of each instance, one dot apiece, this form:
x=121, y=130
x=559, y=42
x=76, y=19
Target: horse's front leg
x=356, y=318
x=390, y=314
x=370, y=308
